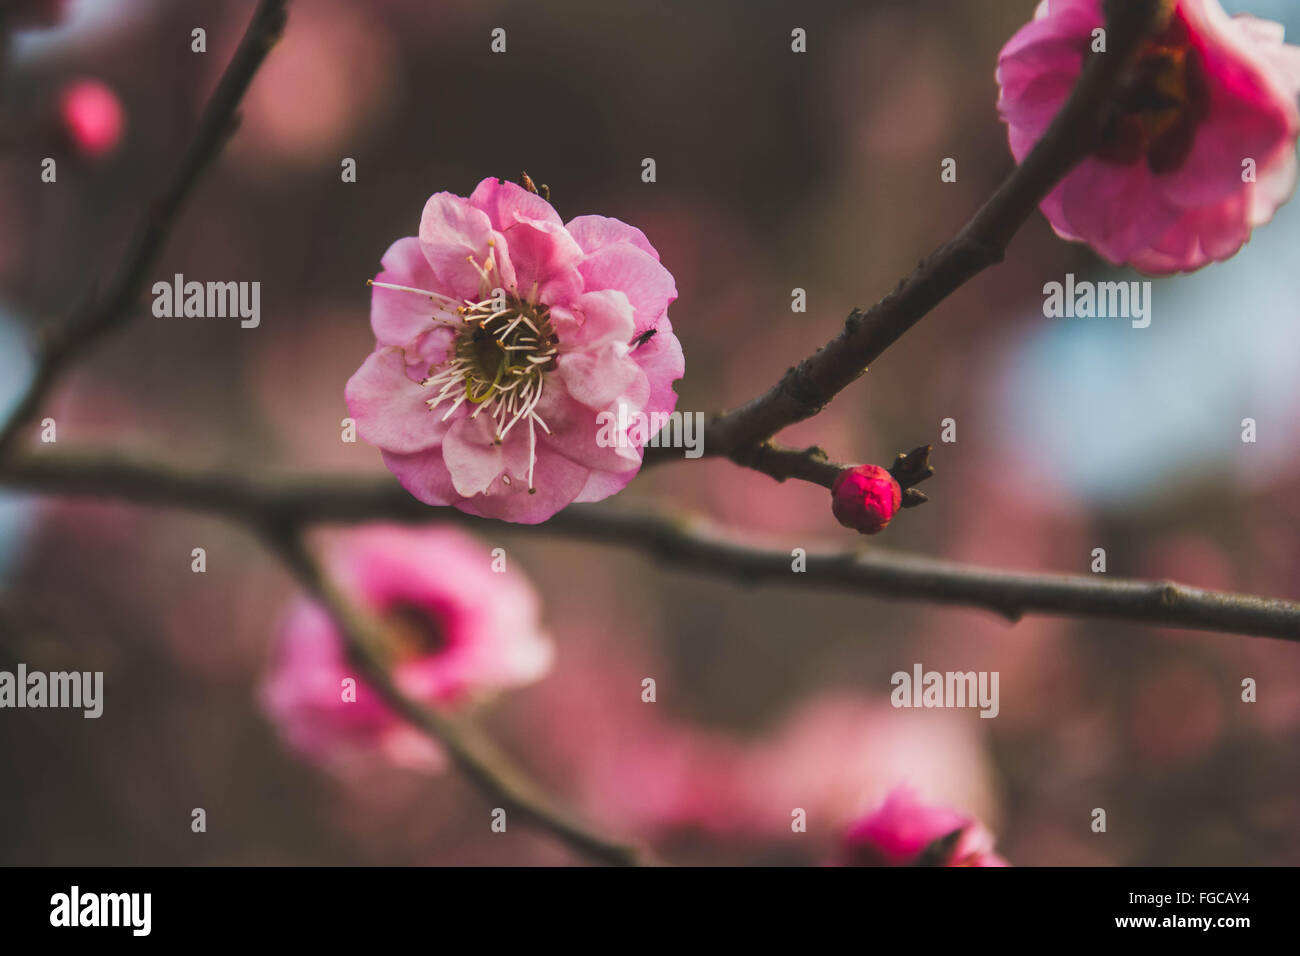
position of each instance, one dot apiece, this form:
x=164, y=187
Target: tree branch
x=806, y=464
x=84, y=327
x=476, y=756
x=808, y=387
x=679, y=541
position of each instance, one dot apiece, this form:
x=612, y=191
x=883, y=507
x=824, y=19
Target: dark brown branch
x=682, y=542
x=806, y=464
x=475, y=755
x=811, y=464
x=84, y=327
x=809, y=386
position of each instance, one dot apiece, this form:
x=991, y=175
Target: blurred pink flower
x=837, y=755
x=92, y=117
x=665, y=778
x=1168, y=189
x=905, y=832
x=331, y=82
x=459, y=628
x=630, y=764
x=502, y=337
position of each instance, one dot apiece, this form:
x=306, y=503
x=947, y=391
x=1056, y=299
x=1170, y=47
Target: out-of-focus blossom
x=837, y=755
x=865, y=498
x=1199, y=147
x=520, y=362
x=333, y=75
x=637, y=770
x=92, y=117
x=629, y=764
x=667, y=778
x=459, y=629
x=903, y=831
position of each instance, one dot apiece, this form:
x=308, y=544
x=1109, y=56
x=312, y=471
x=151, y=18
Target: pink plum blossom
x=837, y=756
x=458, y=627
x=502, y=335
x=1199, y=147
x=331, y=81
x=903, y=831
x=92, y=117
x=631, y=766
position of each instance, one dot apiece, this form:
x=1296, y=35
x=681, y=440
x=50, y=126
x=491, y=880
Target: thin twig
x=87, y=325
x=808, y=387
x=806, y=464
x=681, y=542
x=474, y=754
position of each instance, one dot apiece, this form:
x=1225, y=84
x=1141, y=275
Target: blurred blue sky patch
x=1120, y=411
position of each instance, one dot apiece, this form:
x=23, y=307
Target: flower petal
x=389, y=408
x=583, y=434
x=398, y=317
x=635, y=273
x=545, y=262
x=598, y=318
x=472, y=454
x=452, y=232
x=558, y=482
x=663, y=362
x=1118, y=209
x=424, y=475
x=596, y=232
x=505, y=203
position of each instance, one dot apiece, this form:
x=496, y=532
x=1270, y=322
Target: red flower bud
x=92, y=117
x=864, y=498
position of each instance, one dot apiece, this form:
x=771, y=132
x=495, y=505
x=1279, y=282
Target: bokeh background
x=775, y=170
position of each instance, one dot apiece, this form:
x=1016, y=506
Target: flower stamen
x=498, y=362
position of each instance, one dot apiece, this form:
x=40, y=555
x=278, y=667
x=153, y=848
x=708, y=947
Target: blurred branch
x=85, y=326
x=808, y=387
x=485, y=766
x=678, y=541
